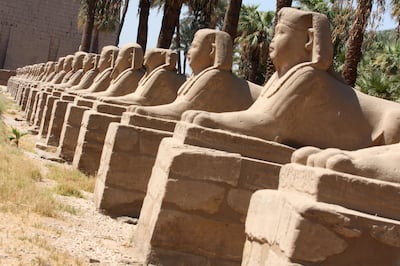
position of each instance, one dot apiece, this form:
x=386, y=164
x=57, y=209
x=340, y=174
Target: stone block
x=129, y=118
x=112, y=109
x=354, y=192
x=44, y=123
x=56, y=122
x=301, y=231
x=125, y=164
x=198, y=191
x=226, y=141
x=70, y=131
x=91, y=141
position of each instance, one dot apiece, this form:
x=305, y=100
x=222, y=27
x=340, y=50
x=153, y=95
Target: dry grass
x=20, y=176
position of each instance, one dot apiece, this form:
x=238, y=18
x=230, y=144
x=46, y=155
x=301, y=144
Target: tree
x=105, y=19
x=144, y=10
x=356, y=38
x=121, y=24
x=172, y=10
x=88, y=9
x=255, y=29
x=231, y=19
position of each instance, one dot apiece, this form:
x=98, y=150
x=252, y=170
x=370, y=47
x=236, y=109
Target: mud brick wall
x=33, y=31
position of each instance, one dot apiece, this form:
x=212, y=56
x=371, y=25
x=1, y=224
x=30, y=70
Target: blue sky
x=129, y=32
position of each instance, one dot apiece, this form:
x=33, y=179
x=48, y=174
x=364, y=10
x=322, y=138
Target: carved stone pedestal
x=321, y=217
x=197, y=198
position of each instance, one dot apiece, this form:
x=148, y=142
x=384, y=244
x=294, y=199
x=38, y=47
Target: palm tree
x=121, y=24
x=144, y=10
x=172, y=10
x=355, y=41
x=105, y=19
x=231, y=19
x=255, y=29
x=88, y=12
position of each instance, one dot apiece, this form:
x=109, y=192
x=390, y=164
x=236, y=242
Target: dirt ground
x=85, y=238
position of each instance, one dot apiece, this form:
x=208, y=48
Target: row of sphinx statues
x=108, y=114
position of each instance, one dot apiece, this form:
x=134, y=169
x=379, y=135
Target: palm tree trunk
x=95, y=42
x=270, y=66
x=144, y=9
x=121, y=24
x=355, y=41
x=171, y=16
x=178, y=46
x=87, y=31
x=231, y=18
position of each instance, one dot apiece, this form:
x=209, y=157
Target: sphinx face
x=200, y=53
x=287, y=48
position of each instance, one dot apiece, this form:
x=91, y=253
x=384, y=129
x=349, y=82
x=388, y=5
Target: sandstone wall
x=33, y=31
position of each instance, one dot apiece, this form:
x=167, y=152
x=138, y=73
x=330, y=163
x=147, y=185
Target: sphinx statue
x=90, y=72
x=303, y=103
x=104, y=67
x=126, y=74
x=379, y=162
x=160, y=83
x=210, y=57
x=77, y=71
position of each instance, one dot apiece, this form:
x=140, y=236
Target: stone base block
x=91, y=140
x=56, y=122
x=286, y=228
x=355, y=192
x=196, y=204
x=128, y=156
x=70, y=131
x=226, y=141
x=44, y=124
x=129, y=118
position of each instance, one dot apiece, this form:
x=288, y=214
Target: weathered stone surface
x=311, y=233
x=194, y=195
x=91, y=140
x=70, y=131
x=111, y=109
x=129, y=118
x=56, y=122
x=125, y=164
x=359, y=193
x=223, y=140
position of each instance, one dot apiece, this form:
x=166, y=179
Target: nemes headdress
x=318, y=25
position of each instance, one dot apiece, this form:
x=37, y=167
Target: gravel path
x=85, y=238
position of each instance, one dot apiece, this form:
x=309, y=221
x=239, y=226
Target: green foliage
x=16, y=136
x=255, y=33
x=379, y=70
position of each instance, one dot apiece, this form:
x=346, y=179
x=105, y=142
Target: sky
x=129, y=31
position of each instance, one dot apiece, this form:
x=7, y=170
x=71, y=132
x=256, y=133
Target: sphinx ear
x=310, y=42
x=212, y=53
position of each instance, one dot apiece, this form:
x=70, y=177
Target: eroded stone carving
x=303, y=103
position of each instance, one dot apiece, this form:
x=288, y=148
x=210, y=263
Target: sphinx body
x=303, y=103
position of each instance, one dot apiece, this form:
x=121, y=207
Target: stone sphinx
x=105, y=67
x=77, y=71
x=127, y=72
x=90, y=72
x=380, y=162
x=160, y=83
x=210, y=57
x=303, y=103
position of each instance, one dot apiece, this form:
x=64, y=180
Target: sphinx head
x=130, y=55
x=89, y=62
x=160, y=57
x=107, y=57
x=77, y=62
x=210, y=48
x=68, y=63
x=301, y=37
